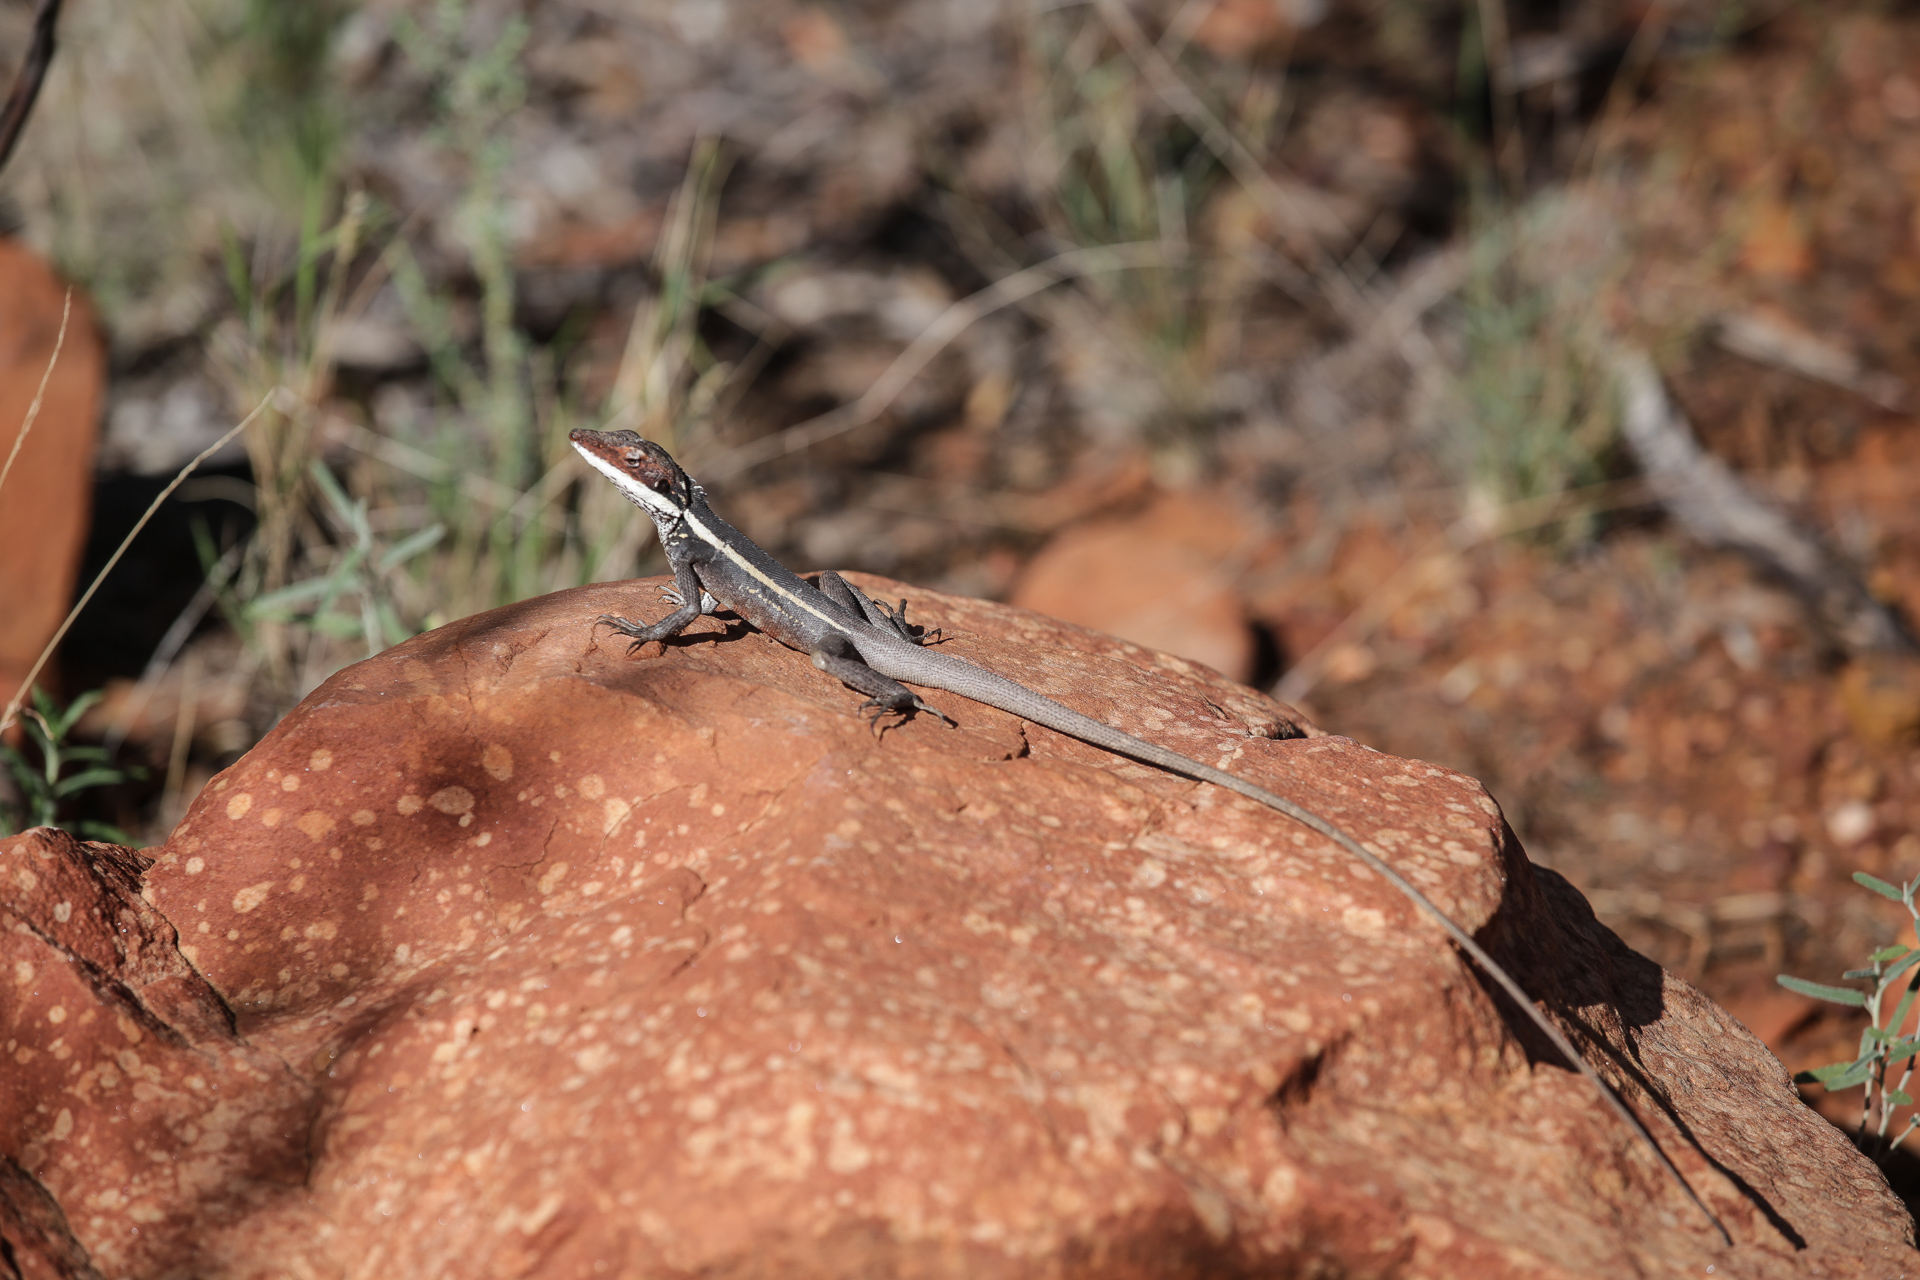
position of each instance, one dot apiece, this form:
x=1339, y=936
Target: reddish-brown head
x=644, y=471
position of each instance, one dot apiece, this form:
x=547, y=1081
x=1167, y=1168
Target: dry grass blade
x=1626, y=83
x=12, y=711
x=40, y=394
x=947, y=326
x=173, y=801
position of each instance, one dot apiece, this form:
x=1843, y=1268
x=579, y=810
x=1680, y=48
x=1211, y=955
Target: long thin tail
x=981, y=685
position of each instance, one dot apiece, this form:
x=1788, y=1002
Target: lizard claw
x=882, y=709
x=639, y=633
x=897, y=620
x=935, y=711
x=880, y=712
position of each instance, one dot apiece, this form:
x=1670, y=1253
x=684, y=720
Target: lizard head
x=644, y=471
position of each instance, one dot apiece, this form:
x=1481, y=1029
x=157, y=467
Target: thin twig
x=949, y=325
x=26, y=85
x=1710, y=501
x=11, y=713
x=46, y=375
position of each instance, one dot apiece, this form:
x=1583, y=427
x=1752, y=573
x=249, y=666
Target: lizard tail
x=956, y=675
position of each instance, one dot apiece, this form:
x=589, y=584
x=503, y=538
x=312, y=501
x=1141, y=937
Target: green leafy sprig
x=361, y=575
x=1882, y=1046
x=44, y=784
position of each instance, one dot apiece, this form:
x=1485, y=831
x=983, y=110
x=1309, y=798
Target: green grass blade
x=410, y=546
x=1832, y=1071
x=1822, y=991
x=86, y=778
x=287, y=597
x=1879, y=886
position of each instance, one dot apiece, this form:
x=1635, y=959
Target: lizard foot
x=896, y=619
x=638, y=632
x=935, y=711
x=884, y=707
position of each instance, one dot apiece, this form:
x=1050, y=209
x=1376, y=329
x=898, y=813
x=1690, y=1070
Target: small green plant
x=1882, y=1046
x=354, y=599
x=41, y=776
x=1533, y=412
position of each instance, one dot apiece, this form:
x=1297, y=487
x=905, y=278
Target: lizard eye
x=633, y=457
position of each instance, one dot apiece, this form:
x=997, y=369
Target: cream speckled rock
x=574, y=963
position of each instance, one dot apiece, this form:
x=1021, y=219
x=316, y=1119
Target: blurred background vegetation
x=1283, y=334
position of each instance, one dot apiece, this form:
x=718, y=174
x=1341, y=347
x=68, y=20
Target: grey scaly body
x=869, y=647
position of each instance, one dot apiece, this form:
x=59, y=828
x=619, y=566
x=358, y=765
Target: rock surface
x=1160, y=577
x=508, y=954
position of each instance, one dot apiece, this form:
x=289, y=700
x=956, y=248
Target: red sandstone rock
x=45, y=501
x=548, y=961
x=1153, y=577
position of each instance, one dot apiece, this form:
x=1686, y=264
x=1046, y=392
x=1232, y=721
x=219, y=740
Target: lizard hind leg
x=877, y=613
x=835, y=655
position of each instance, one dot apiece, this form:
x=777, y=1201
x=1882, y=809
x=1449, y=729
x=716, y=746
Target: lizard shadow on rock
x=1585, y=964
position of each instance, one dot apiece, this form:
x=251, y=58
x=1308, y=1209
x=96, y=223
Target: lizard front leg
x=686, y=592
x=673, y=597
x=834, y=654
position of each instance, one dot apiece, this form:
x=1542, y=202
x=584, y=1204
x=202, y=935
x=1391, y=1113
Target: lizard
x=869, y=646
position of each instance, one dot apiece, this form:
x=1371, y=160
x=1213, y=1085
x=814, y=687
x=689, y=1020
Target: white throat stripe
x=637, y=493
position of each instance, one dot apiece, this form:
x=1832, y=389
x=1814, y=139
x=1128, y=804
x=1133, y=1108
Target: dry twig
x=26, y=85
x=1709, y=501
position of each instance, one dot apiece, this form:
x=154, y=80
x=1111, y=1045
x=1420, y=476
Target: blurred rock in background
x=49, y=413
